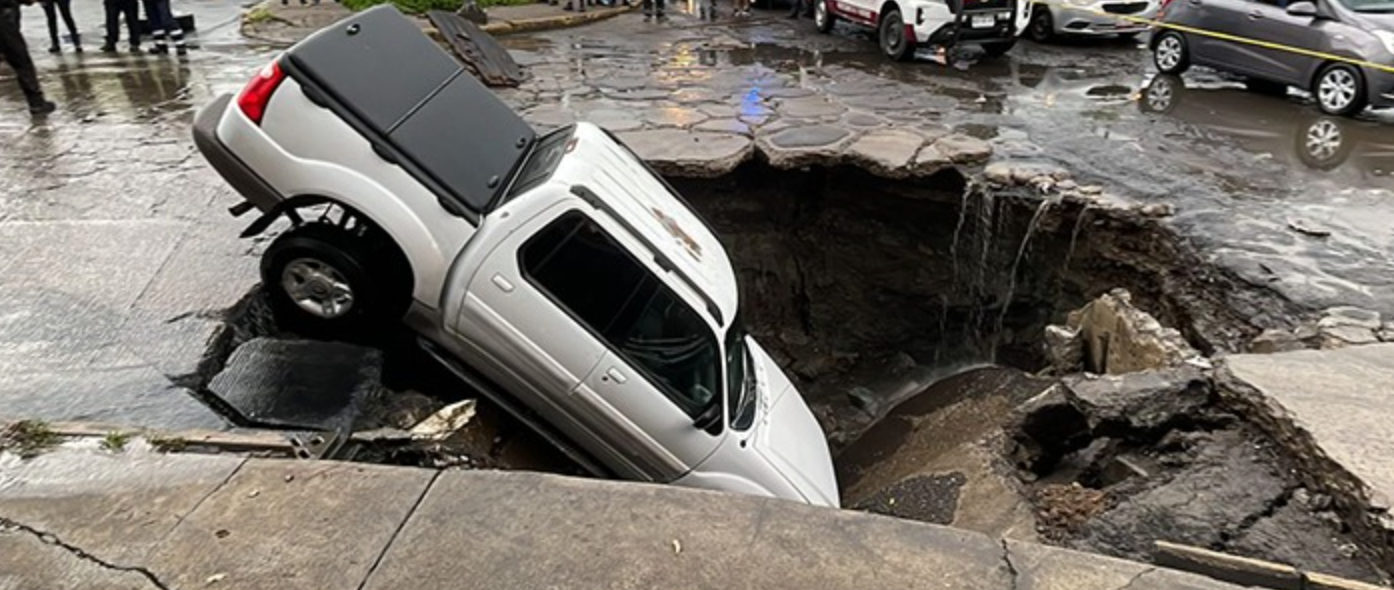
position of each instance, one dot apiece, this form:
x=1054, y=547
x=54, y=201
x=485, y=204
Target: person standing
x=653, y=9
x=162, y=23
x=804, y=6
x=115, y=11
x=51, y=10
x=16, y=53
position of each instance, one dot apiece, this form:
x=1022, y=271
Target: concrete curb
x=1247, y=571
x=529, y=25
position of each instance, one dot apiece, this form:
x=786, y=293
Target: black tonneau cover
x=418, y=106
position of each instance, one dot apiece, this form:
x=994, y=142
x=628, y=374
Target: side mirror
x=1303, y=8
x=710, y=418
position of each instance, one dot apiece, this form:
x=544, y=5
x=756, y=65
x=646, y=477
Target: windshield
x=740, y=375
x=1369, y=5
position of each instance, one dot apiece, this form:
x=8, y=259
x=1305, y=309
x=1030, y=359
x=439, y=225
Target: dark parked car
x=1358, y=30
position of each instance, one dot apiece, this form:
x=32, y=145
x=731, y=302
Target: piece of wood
x=477, y=50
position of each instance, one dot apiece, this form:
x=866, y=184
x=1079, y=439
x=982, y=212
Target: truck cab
x=556, y=274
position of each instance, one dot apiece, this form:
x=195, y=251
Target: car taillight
x=258, y=91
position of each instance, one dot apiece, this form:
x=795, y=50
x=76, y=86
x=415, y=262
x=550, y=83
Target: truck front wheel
x=324, y=280
x=897, y=43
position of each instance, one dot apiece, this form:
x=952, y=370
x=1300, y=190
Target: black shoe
x=43, y=107
x=108, y=48
x=135, y=49
x=159, y=50
x=181, y=50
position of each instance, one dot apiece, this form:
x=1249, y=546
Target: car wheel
x=1340, y=90
x=1170, y=54
x=1042, y=26
x=894, y=43
x=998, y=49
x=1323, y=144
x=1162, y=94
x=324, y=280
x=822, y=17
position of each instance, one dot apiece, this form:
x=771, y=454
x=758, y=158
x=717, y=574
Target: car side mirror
x=710, y=418
x=1303, y=8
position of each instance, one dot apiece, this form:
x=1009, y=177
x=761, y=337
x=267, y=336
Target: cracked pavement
x=269, y=524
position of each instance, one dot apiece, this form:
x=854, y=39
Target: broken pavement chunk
x=302, y=384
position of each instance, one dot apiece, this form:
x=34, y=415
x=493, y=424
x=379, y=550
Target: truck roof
x=418, y=105
x=652, y=209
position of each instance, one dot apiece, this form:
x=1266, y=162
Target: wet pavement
x=118, y=251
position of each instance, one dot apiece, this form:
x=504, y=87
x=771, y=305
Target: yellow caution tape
x=1225, y=36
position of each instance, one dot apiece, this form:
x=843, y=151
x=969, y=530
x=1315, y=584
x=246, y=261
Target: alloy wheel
x=1337, y=90
x=318, y=288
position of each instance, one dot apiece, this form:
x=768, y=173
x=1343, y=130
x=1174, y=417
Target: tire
x=1266, y=87
x=1042, y=26
x=998, y=49
x=891, y=37
x=1171, y=54
x=1162, y=94
x=823, y=18
x=328, y=282
x=1323, y=144
x=1340, y=90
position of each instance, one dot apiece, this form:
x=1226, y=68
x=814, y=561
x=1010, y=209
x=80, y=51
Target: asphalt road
x=116, y=248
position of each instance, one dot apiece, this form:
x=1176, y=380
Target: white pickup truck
x=902, y=26
x=557, y=274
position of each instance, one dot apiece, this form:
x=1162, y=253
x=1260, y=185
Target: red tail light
x=258, y=91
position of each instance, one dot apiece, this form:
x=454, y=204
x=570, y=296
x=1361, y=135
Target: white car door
x=662, y=370
x=530, y=345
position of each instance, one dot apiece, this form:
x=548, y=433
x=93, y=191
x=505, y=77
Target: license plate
x=983, y=21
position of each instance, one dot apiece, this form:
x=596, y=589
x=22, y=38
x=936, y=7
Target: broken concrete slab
x=1330, y=410
x=1116, y=337
x=887, y=153
x=1040, y=567
x=303, y=384
x=31, y=559
x=287, y=524
x=1145, y=400
x=689, y=153
x=117, y=506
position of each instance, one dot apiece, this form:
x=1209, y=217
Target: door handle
x=1255, y=15
x=613, y=374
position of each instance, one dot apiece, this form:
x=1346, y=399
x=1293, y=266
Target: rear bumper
x=246, y=182
x=1073, y=21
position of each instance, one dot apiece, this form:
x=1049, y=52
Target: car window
x=585, y=271
x=582, y=269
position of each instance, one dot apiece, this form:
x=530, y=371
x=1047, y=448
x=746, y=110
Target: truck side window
x=582, y=269
x=586, y=272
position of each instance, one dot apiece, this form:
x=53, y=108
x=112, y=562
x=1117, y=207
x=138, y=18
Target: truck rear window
x=542, y=162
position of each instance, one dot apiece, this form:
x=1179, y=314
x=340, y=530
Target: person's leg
x=157, y=26
x=113, y=15
x=52, y=18
x=65, y=7
x=131, y=10
x=176, y=32
x=16, y=53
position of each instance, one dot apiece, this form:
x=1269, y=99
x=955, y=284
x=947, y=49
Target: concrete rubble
x=1110, y=335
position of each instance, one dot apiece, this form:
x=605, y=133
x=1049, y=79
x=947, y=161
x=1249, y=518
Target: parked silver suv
x=1359, y=30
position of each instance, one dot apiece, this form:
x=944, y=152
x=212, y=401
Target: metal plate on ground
x=478, y=50
x=302, y=384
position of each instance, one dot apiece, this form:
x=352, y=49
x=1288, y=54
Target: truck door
x=661, y=370
x=530, y=344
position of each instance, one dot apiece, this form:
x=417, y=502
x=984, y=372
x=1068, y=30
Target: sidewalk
x=283, y=25
x=87, y=518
